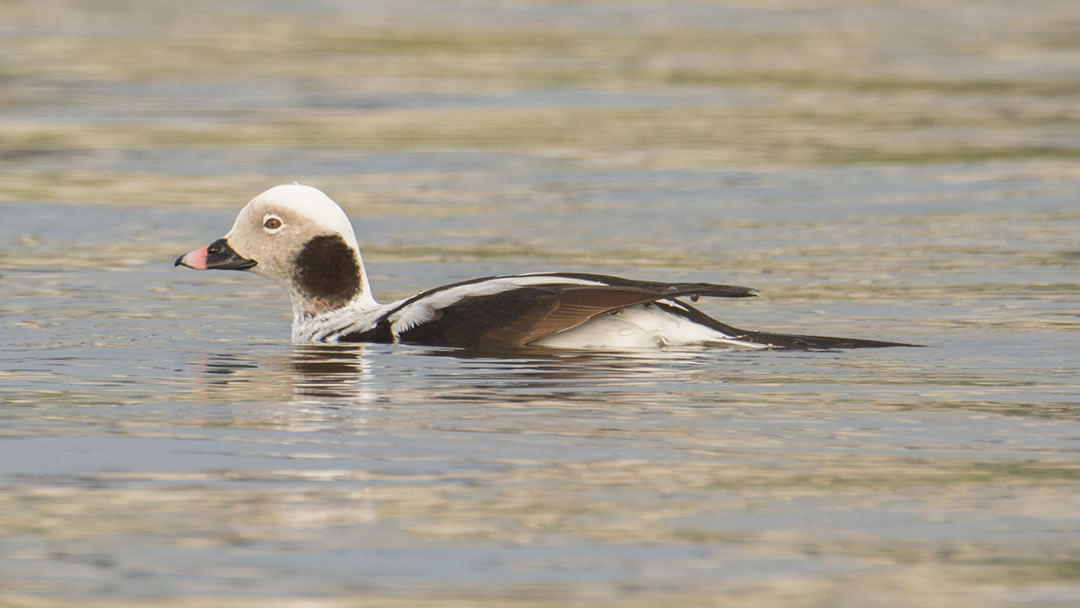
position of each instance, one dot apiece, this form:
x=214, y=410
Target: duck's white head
x=299, y=237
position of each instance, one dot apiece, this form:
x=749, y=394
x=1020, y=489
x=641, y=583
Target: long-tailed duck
x=301, y=238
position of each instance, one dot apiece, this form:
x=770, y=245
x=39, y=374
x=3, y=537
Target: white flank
x=641, y=326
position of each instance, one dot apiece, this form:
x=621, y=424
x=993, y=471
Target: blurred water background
x=901, y=170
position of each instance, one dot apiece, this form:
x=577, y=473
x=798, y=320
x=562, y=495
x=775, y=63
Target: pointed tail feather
x=803, y=342
x=774, y=340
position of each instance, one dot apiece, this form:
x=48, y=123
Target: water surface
x=875, y=169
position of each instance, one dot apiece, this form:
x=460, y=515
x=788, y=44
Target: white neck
x=357, y=315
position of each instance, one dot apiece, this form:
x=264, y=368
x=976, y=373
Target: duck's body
x=300, y=237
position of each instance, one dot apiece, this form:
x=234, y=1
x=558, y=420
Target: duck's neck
x=328, y=275
x=360, y=314
x=305, y=307
x=315, y=321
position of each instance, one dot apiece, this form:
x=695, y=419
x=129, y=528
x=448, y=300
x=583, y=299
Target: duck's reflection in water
x=332, y=375
x=352, y=376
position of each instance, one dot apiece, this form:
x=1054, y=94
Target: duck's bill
x=215, y=256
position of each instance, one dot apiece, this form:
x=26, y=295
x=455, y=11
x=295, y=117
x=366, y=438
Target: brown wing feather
x=577, y=304
x=517, y=317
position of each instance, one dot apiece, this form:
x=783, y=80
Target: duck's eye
x=272, y=223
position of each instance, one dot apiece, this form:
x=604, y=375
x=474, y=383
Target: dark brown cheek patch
x=327, y=273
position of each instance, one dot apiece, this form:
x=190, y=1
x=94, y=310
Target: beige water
x=891, y=170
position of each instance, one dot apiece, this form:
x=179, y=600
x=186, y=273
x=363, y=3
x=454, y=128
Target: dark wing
x=521, y=315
